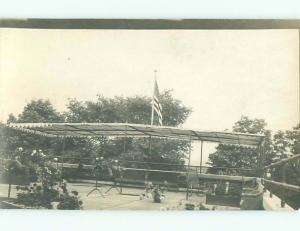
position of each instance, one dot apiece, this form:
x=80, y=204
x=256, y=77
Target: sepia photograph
x=163, y=115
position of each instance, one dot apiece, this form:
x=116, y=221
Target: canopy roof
x=134, y=130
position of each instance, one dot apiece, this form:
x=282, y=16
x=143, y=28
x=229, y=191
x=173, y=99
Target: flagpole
x=152, y=113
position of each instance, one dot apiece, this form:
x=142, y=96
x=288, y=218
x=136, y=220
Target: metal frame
x=137, y=130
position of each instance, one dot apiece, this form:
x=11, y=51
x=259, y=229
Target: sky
x=220, y=74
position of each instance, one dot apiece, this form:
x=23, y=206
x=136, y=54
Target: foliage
x=293, y=137
x=256, y=126
x=135, y=109
x=37, y=196
x=70, y=201
x=47, y=190
x=230, y=156
x=39, y=111
x=131, y=110
x=41, y=196
x=14, y=172
x=287, y=143
x=281, y=145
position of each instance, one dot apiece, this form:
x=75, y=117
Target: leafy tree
x=286, y=143
x=135, y=109
x=39, y=111
x=281, y=145
x=12, y=119
x=293, y=137
x=46, y=190
x=229, y=156
x=36, y=111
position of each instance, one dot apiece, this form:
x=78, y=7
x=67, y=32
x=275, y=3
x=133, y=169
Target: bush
x=15, y=173
x=69, y=201
x=37, y=196
x=42, y=197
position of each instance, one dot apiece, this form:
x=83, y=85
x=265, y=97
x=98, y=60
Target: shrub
x=37, y=196
x=15, y=173
x=70, y=201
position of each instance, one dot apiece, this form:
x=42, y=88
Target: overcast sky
x=221, y=74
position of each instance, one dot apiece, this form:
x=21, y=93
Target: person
x=268, y=174
x=148, y=190
x=64, y=186
x=158, y=195
x=98, y=166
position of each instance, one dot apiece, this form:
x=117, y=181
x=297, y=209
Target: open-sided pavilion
x=82, y=130
x=65, y=130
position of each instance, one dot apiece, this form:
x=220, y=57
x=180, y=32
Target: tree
x=281, y=145
x=39, y=111
x=135, y=109
x=286, y=144
x=293, y=137
x=36, y=111
x=229, y=156
x=12, y=118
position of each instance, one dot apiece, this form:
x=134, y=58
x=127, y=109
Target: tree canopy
x=276, y=147
x=136, y=109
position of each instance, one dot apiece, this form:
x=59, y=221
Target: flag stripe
x=157, y=102
x=158, y=113
x=156, y=106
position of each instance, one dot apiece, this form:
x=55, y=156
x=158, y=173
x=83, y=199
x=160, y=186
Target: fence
x=280, y=179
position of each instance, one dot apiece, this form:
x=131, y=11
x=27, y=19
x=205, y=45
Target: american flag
x=156, y=106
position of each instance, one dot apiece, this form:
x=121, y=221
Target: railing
x=211, y=180
x=177, y=177
x=288, y=193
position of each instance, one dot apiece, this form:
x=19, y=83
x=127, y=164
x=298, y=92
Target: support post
x=201, y=156
x=188, y=171
x=56, y=153
x=9, y=189
x=261, y=160
x=124, y=145
x=62, y=158
x=150, y=145
x=283, y=180
x=125, y=140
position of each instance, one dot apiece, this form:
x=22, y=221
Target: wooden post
x=150, y=147
x=125, y=140
x=9, y=190
x=188, y=171
x=260, y=160
x=121, y=183
x=201, y=156
x=283, y=180
x=124, y=144
x=62, y=158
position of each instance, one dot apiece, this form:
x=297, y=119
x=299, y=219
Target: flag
x=156, y=106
